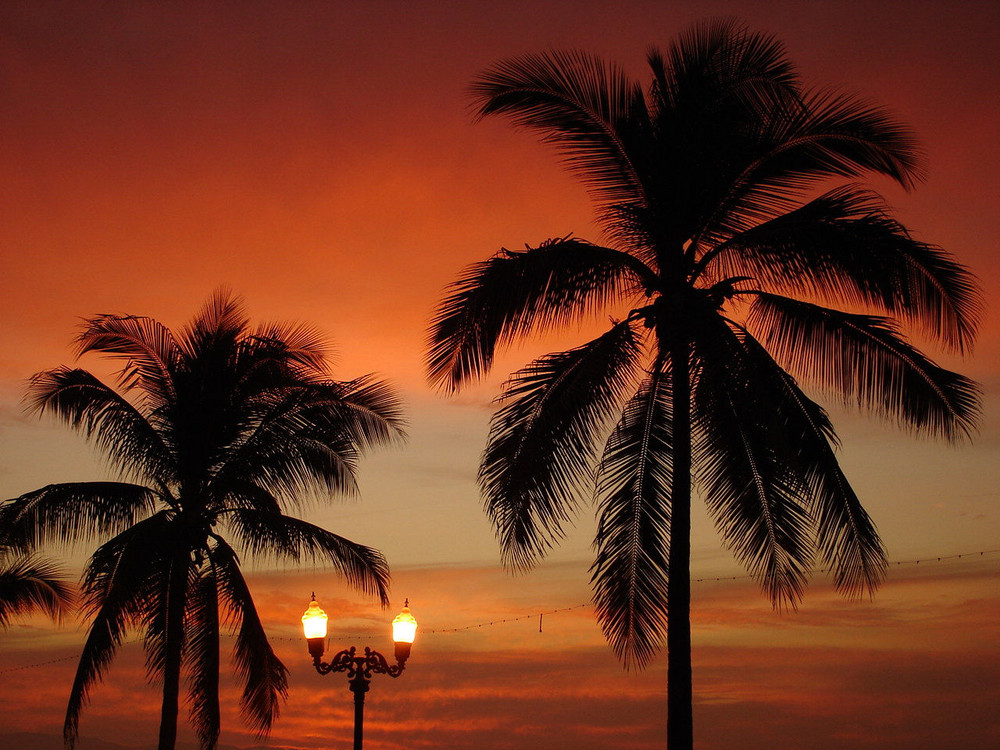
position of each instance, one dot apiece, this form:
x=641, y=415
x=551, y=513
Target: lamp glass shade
x=314, y=621
x=404, y=627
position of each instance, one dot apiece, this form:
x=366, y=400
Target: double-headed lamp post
x=359, y=668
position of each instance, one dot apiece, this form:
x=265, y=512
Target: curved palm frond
x=75, y=510
x=268, y=534
x=866, y=360
x=264, y=677
x=296, y=347
x=845, y=534
x=289, y=443
x=838, y=135
x=589, y=110
x=216, y=327
x=630, y=573
x=116, y=587
x=719, y=65
x=28, y=584
x=744, y=459
x=148, y=347
x=543, y=440
x=312, y=434
x=845, y=246
x=202, y=656
x=104, y=416
x=366, y=409
x=826, y=135
x=290, y=463
x=512, y=294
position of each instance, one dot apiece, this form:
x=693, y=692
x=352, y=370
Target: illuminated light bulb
x=404, y=630
x=314, y=620
x=404, y=626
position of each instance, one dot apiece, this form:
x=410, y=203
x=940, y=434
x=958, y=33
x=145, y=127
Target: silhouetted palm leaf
x=268, y=534
x=630, y=574
x=844, y=247
x=116, y=426
x=513, y=294
x=116, y=584
x=589, y=109
x=76, y=510
x=28, y=584
x=202, y=639
x=543, y=440
x=845, y=534
x=264, y=677
x=865, y=359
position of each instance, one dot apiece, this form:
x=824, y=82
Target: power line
x=504, y=620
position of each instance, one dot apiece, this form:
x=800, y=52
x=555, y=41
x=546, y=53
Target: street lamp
x=359, y=668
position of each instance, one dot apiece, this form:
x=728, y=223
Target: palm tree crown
x=220, y=427
x=739, y=271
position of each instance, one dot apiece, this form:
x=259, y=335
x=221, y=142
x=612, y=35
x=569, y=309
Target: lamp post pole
x=359, y=668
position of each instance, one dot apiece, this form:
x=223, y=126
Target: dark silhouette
x=29, y=584
x=708, y=187
x=219, y=427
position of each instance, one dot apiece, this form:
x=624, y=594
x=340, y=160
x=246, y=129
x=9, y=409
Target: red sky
x=319, y=159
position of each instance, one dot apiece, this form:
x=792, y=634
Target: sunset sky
x=319, y=159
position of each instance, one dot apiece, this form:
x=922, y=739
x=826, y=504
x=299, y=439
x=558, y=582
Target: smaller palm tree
x=220, y=429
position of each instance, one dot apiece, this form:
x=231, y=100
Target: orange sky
x=319, y=159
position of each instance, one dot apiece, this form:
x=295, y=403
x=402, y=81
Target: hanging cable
x=503, y=621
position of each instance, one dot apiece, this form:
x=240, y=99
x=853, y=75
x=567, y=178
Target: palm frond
x=271, y=535
x=367, y=409
x=290, y=464
x=148, y=347
x=590, y=110
x=202, y=656
x=264, y=677
x=542, y=440
x=866, y=360
x=216, y=327
x=116, y=587
x=104, y=416
x=298, y=346
x=846, y=535
x=27, y=584
x=845, y=247
x=825, y=135
x=844, y=135
x=721, y=65
x=107, y=628
x=513, y=294
x=630, y=573
x=311, y=436
x=75, y=510
x=755, y=494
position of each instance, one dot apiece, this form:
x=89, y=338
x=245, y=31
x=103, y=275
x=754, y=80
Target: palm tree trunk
x=680, y=734
x=174, y=645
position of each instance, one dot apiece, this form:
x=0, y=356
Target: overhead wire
x=505, y=620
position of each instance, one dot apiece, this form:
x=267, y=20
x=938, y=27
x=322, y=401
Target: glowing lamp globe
x=314, y=627
x=404, y=630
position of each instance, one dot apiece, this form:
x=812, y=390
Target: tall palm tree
x=219, y=428
x=739, y=270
